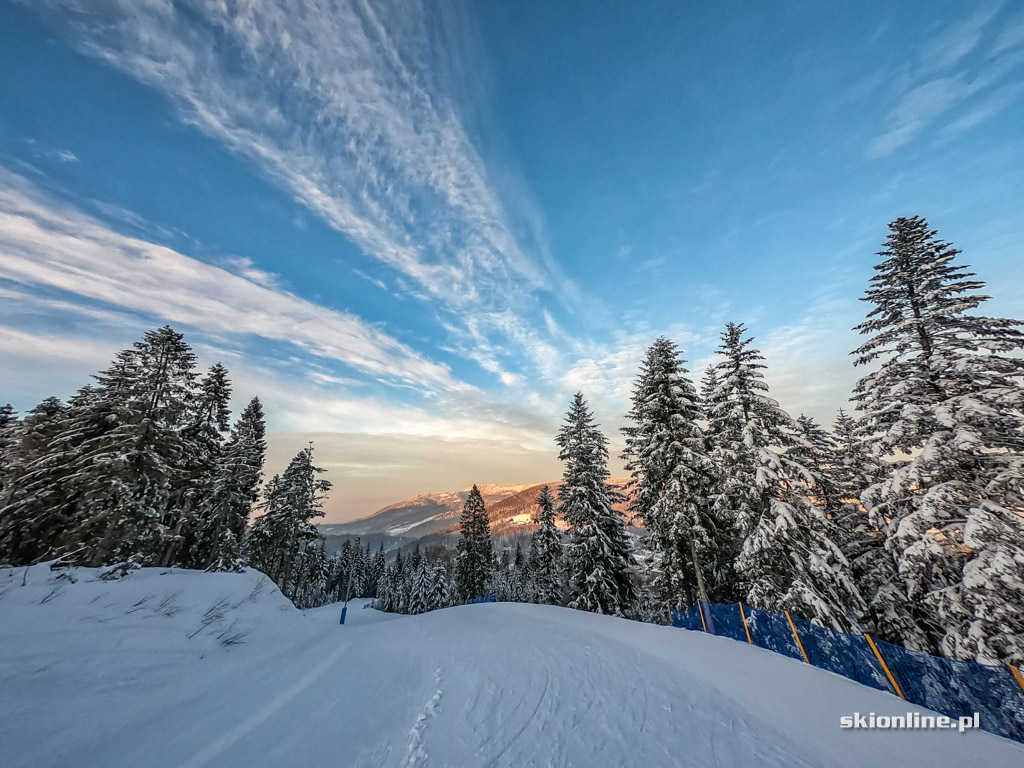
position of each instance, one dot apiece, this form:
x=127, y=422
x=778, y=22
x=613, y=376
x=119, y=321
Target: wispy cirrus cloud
x=958, y=39
x=47, y=246
x=997, y=101
x=355, y=107
x=956, y=65
x=1012, y=35
x=918, y=108
x=65, y=156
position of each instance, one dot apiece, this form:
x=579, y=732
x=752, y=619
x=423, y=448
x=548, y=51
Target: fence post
x=885, y=667
x=799, y=644
x=702, y=622
x=1017, y=676
x=745, y=627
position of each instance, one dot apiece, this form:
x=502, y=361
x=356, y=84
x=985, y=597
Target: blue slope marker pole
x=348, y=589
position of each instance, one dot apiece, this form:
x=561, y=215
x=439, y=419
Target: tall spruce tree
x=385, y=600
x=34, y=509
x=788, y=560
x=946, y=408
x=855, y=468
x=235, y=489
x=128, y=462
x=546, y=553
x=440, y=594
x=279, y=542
x=474, y=561
x=202, y=433
x=666, y=454
x=598, y=559
x=422, y=588
x=379, y=567
x=8, y=428
x=817, y=450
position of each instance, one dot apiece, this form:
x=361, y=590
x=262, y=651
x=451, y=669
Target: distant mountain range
x=420, y=515
x=511, y=509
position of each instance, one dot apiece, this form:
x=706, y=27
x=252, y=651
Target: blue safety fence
x=845, y=654
x=953, y=688
x=771, y=631
x=484, y=599
x=956, y=688
x=725, y=620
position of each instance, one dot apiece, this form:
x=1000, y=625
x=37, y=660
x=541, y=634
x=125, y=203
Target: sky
x=415, y=229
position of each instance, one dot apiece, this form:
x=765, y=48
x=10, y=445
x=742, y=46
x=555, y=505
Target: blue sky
x=416, y=229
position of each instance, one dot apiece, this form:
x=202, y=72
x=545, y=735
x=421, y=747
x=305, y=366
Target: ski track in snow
x=243, y=729
x=529, y=721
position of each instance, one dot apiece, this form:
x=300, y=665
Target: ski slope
x=185, y=669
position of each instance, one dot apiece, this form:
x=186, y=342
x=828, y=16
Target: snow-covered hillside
x=186, y=669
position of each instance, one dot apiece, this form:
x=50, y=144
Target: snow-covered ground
x=184, y=669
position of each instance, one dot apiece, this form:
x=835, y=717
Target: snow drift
x=179, y=668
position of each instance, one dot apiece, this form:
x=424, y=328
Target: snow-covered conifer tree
x=8, y=416
x=666, y=454
x=422, y=588
x=787, y=559
x=854, y=469
x=358, y=561
x=203, y=424
x=440, y=595
x=380, y=561
x=946, y=407
x=817, y=450
x=277, y=540
x=546, y=553
x=598, y=558
x=235, y=490
x=339, y=581
x=8, y=427
x=385, y=600
x=129, y=451
x=473, y=563
x=34, y=510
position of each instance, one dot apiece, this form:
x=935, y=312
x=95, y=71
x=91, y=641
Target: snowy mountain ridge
x=509, y=505
x=421, y=514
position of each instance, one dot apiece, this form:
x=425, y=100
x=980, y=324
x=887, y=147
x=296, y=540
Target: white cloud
x=298, y=403
x=1012, y=35
x=245, y=267
x=355, y=107
x=918, y=108
x=998, y=101
x=925, y=98
x=25, y=345
x=67, y=362
x=46, y=246
x=958, y=39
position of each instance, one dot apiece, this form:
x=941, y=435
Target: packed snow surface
x=186, y=669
